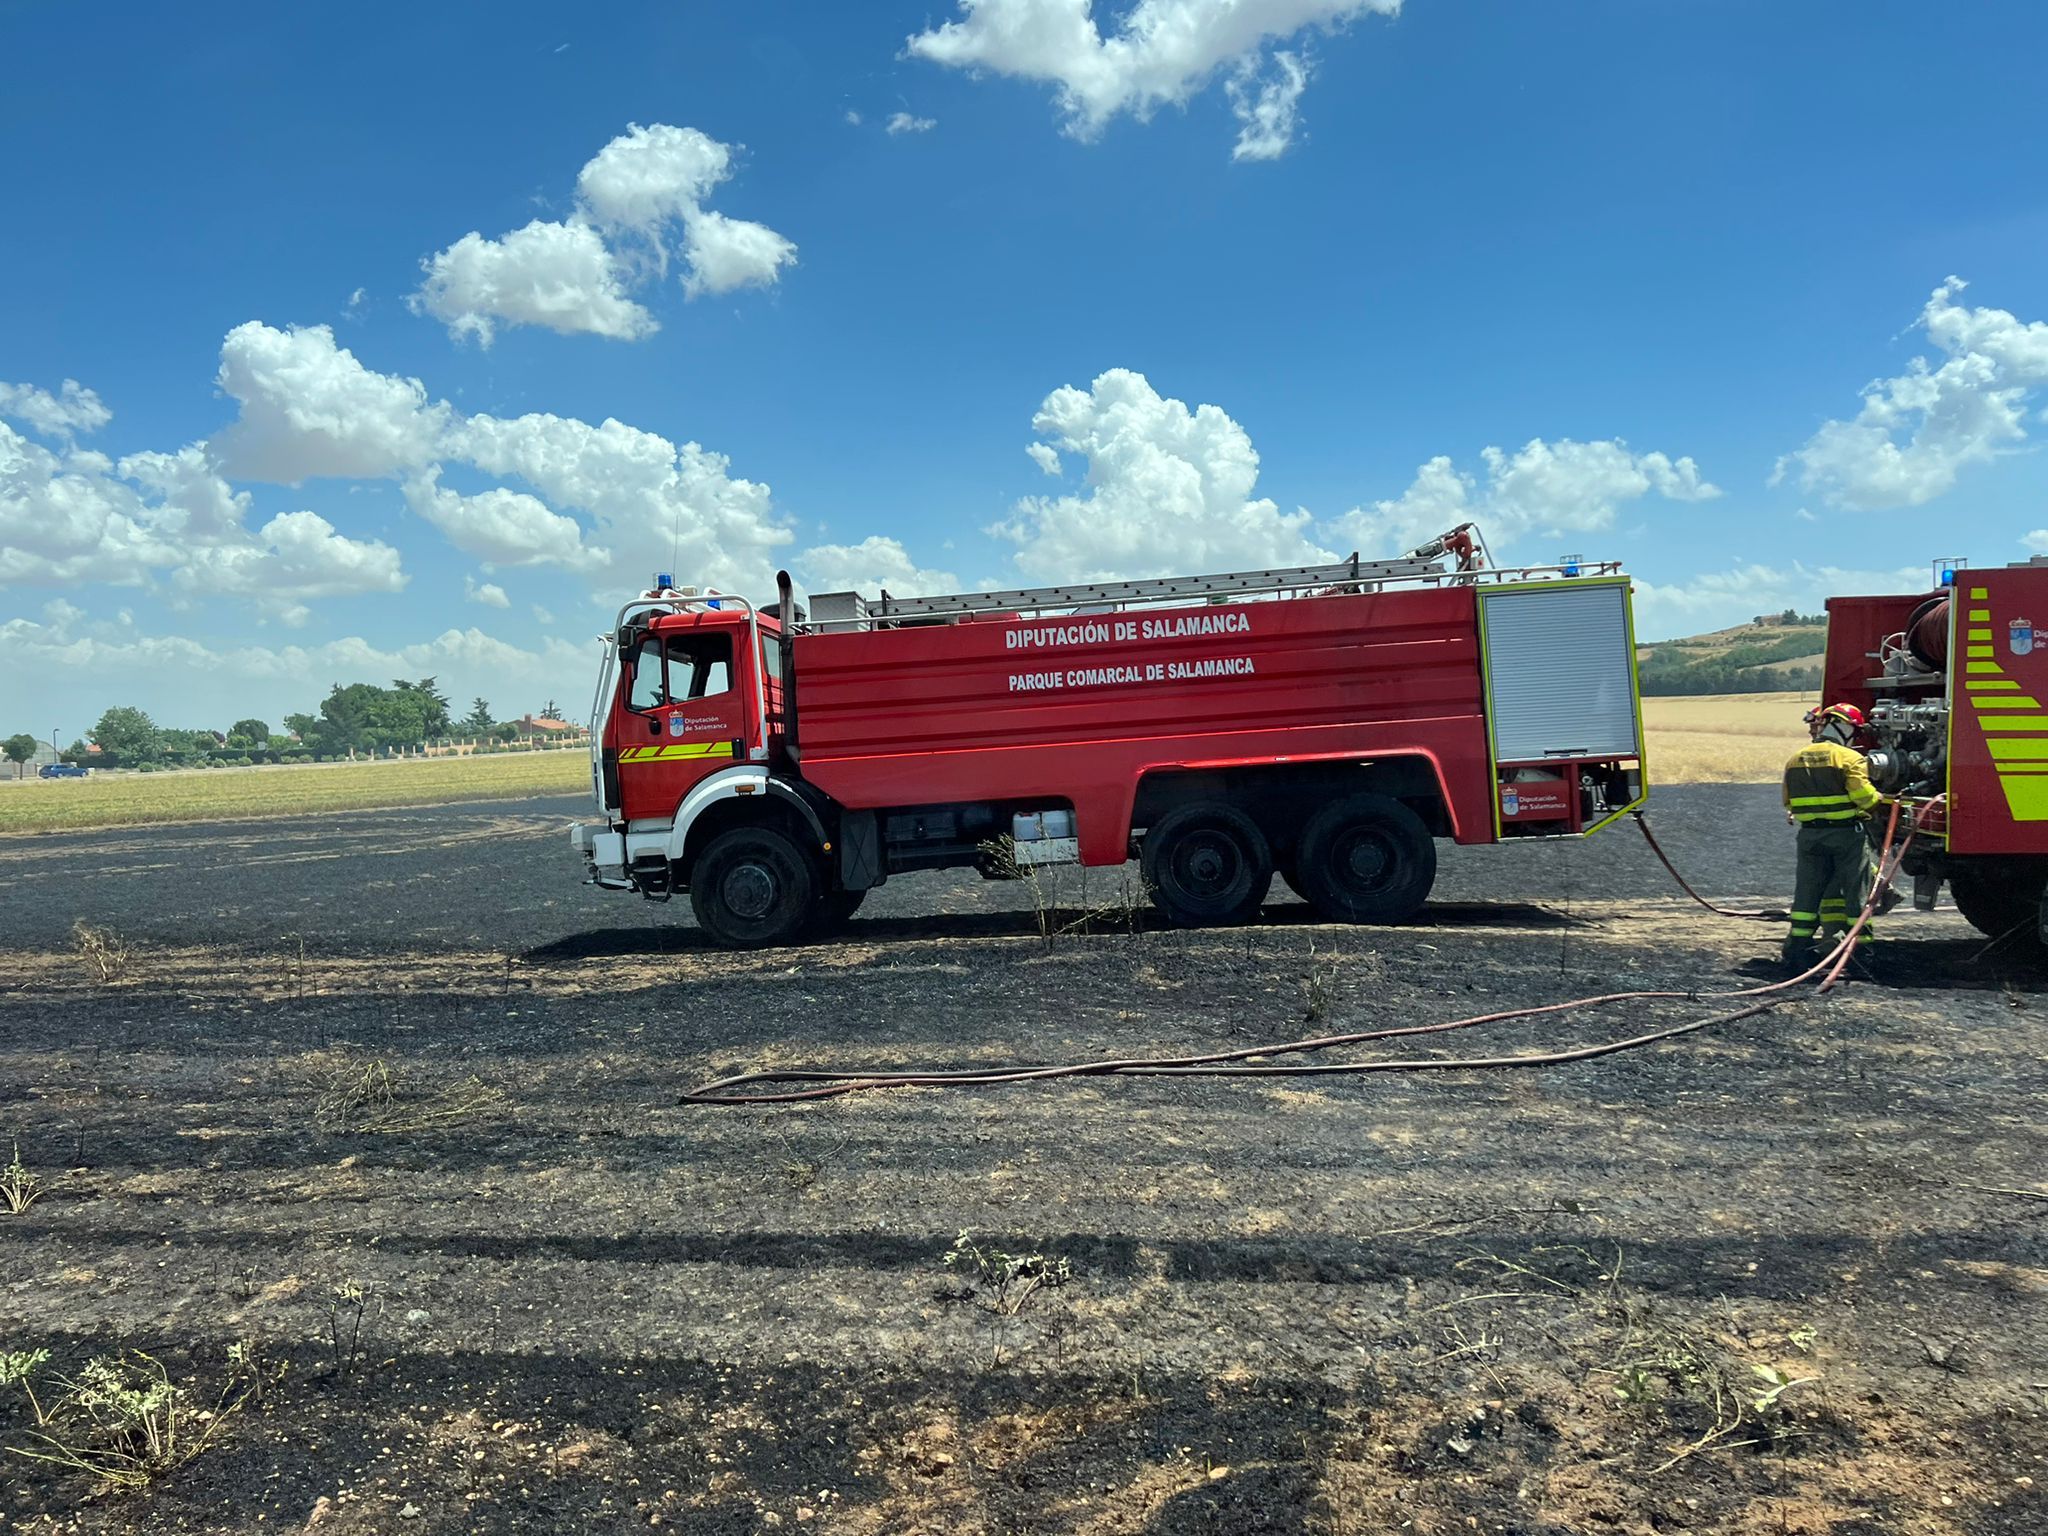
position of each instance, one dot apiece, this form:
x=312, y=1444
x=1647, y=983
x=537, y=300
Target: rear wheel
x=2000, y=898
x=1367, y=859
x=752, y=887
x=1207, y=865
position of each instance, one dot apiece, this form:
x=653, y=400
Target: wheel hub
x=749, y=890
x=1208, y=865
x=1365, y=860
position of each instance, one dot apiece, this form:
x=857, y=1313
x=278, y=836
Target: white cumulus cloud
x=873, y=565
x=309, y=409
x=1169, y=491
x=1540, y=488
x=294, y=557
x=647, y=177
x=73, y=411
x=78, y=519
x=502, y=527
x=194, y=502
x=488, y=593
x=1157, y=53
x=556, y=275
x=609, y=501
x=65, y=519
x=722, y=254
x=903, y=122
x=657, y=506
x=1918, y=431
x=636, y=199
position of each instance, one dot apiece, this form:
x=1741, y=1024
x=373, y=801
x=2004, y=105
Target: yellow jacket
x=1828, y=782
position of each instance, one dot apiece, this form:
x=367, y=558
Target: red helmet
x=1845, y=712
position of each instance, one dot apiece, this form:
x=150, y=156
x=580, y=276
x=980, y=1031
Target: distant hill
x=1777, y=653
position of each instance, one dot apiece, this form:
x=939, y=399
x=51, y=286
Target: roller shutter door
x=1559, y=670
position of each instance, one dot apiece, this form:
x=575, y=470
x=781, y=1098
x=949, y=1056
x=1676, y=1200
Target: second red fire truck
x=1323, y=723
x=1954, y=685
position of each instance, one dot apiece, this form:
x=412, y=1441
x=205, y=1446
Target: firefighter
x=1828, y=794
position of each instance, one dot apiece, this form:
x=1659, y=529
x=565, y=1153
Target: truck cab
x=687, y=720
x=690, y=701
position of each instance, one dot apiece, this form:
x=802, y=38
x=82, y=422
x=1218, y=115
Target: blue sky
x=1645, y=250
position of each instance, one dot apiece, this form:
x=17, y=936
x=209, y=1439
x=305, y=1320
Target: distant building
x=46, y=753
x=533, y=728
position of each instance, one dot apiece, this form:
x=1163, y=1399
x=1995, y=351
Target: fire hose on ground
x=827, y=1083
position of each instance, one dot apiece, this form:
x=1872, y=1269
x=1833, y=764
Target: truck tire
x=1367, y=859
x=833, y=910
x=1208, y=865
x=752, y=888
x=1996, y=899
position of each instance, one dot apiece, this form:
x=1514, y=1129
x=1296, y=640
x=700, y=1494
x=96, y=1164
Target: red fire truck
x=1952, y=682
x=1324, y=723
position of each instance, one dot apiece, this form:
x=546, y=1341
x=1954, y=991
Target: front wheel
x=1367, y=859
x=1208, y=865
x=752, y=888
x=2001, y=899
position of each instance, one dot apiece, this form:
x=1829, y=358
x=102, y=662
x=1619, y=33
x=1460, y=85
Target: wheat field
x=1723, y=738
x=246, y=794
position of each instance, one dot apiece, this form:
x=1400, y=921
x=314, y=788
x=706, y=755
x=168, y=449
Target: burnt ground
x=1527, y=1301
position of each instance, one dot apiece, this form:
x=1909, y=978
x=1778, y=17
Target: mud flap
x=860, y=851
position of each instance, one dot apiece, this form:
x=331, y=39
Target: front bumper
x=604, y=853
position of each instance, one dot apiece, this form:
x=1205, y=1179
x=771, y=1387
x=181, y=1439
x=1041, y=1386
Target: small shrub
x=1318, y=985
x=18, y=1369
x=122, y=1421
x=1005, y=1280
x=19, y=1188
x=103, y=951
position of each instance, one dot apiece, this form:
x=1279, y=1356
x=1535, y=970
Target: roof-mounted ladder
x=850, y=610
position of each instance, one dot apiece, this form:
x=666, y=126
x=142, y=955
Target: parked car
x=62, y=771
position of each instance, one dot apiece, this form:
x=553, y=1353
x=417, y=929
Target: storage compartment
x=1560, y=673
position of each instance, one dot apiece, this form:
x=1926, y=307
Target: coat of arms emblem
x=2021, y=635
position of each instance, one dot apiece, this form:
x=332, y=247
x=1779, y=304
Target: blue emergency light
x=663, y=582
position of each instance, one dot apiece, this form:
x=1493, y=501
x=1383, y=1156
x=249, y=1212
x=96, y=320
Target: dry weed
x=104, y=952
x=369, y=1096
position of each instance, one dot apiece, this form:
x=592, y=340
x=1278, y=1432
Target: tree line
x=354, y=720
x=1675, y=667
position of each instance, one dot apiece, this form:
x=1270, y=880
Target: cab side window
x=699, y=666
x=679, y=667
